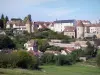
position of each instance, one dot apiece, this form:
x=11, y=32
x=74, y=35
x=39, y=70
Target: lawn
x=55, y=70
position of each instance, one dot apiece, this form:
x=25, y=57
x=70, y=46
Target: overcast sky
x=49, y=10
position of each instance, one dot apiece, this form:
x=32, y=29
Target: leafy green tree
x=7, y=19
x=98, y=59
x=1, y=24
x=91, y=50
x=6, y=42
x=29, y=17
x=2, y=17
x=2, y=21
x=43, y=45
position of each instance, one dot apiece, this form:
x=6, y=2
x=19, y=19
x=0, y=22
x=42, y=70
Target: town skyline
x=50, y=10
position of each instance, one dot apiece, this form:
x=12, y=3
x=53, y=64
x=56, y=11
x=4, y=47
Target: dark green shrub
x=20, y=59
x=47, y=58
x=64, y=60
x=98, y=60
x=8, y=60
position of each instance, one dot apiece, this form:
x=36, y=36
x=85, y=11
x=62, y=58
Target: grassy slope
x=55, y=70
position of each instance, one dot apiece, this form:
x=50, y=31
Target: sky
x=50, y=10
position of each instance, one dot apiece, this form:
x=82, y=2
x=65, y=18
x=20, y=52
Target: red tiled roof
x=85, y=21
x=79, y=23
x=69, y=48
x=17, y=23
x=95, y=25
x=43, y=24
x=77, y=44
x=69, y=29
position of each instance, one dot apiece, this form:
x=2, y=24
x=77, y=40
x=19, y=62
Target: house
x=31, y=45
x=86, y=22
x=69, y=31
x=56, y=41
x=19, y=25
x=59, y=25
x=53, y=52
x=64, y=52
x=63, y=45
x=80, y=44
x=86, y=29
x=69, y=49
x=43, y=25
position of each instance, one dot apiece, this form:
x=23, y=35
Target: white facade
x=93, y=29
x=8, y=26
x=28, y=47
x=63, y=52
x=18, y=27
x=59, y=27
x=71, y=34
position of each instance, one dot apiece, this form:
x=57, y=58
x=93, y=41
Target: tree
x=91, y=50
x=6, y=42
x=2, y=17
x=29, y=17
x=98, y=59
x=1, y=24
x=94, y=37
x=7, y=19
x=43, y=45
x=25, y=19
x=2, y=21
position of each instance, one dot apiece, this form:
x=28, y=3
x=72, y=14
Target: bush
x=98, y=60
x=20, y=59
x=63, y=60
x=47, y=58
x=8, y=60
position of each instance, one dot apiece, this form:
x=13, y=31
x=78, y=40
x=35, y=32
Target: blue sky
x=50, y=10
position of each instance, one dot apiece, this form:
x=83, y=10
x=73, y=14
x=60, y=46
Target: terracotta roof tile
x=69, y=29
x=79, y=23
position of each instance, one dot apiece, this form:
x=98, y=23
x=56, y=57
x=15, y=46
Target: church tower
x=28, y=24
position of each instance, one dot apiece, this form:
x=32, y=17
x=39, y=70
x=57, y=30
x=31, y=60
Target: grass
x=77, y=69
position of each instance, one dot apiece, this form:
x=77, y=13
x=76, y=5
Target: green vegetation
x=98, y=59
x=6, y=42
x=90, y=51
x=20, y=59
x=49, y=58
x=54, y=70
x=3, y=21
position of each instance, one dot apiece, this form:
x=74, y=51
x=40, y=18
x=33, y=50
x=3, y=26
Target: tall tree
x=2, y=17
x=1, y=24
x=25, y=19
x=7, y=19
x=29, y=17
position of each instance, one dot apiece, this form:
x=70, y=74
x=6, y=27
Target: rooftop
x=64, y=21
x=69, y=29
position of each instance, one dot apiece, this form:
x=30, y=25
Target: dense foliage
x=3, y=21
x=98, y=59
x=20, y=59
x=91, y=50
x=49, y=58
x=6, y=42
